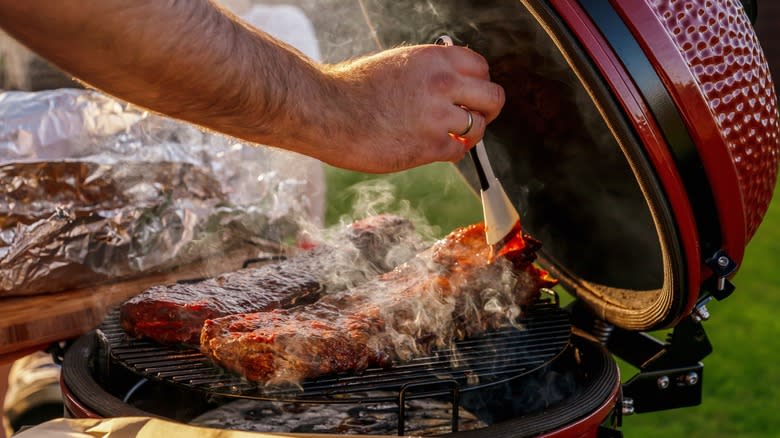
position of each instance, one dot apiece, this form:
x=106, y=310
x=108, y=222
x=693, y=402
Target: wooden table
x=4, y=369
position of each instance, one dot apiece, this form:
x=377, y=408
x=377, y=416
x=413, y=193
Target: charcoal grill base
x=92, y=390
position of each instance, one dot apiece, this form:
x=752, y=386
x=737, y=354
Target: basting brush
x=501, y=216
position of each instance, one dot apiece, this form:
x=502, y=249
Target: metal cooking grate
x=475, y=363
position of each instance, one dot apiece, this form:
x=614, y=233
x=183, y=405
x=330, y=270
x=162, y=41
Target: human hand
x=405, y=107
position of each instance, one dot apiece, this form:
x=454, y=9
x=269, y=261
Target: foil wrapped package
x=94, y=190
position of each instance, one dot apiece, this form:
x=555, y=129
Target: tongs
x=501, y=216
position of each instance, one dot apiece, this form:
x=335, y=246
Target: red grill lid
x=639, y=139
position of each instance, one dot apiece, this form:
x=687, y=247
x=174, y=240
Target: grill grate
x=476, y=363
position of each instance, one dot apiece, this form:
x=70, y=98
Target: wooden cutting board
x=33, y=322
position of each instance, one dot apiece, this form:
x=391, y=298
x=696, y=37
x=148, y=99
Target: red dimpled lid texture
x=717, y=41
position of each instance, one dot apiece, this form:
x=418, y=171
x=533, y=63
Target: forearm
x=186, y=59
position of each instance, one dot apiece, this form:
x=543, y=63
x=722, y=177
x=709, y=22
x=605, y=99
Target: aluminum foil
x=95, y=190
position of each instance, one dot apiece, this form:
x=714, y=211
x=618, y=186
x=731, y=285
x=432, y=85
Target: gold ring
x=469, y=125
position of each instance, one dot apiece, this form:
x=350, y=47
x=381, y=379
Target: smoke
x=442, y=305
x=380, y=196
x=382, y=230
x=445, y=293
x=448, y=292
x=550, y=146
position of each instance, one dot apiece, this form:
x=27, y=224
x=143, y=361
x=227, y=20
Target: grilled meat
x=175, y=313
x=453, y=290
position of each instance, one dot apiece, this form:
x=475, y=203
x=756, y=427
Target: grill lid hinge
x=670, y=373
x=665, y=389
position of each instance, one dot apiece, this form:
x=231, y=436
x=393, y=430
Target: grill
x=642, y=186
x=472, y=364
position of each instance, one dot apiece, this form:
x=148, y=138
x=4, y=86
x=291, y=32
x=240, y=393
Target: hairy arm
x=191, y=60
x=186, y=59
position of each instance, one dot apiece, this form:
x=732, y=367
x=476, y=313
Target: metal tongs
x=501, y=216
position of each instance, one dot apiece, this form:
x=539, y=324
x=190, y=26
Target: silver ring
x=469, y=125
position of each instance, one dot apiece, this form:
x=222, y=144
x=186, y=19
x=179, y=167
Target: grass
x=741, y=376
x=434, y=197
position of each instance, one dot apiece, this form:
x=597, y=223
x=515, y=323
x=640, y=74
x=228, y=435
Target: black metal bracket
x=722, y=267
x=429, y=389
x=57, y=350
x=663, y=389
x=670, y=372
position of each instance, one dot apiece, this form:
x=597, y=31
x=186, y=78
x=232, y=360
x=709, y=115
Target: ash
x=424, y=417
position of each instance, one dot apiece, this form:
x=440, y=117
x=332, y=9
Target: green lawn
x=741, y=377
x=434, y=197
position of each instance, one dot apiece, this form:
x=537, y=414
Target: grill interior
x=473, y=364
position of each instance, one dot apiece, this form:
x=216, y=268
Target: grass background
x=741, y=377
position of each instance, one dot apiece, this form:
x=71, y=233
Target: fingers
x=471, y=86
x=468, y=62
x=480, y=96
x=452, y=149
x=458, y=122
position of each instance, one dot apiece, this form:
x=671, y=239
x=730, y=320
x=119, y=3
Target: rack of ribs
x=175, y=313
x=453, y=290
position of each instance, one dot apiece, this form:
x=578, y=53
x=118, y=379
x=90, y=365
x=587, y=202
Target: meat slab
x=175, y=313
x=454, y=289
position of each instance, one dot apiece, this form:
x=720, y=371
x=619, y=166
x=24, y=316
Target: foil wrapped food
x=94, y=190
